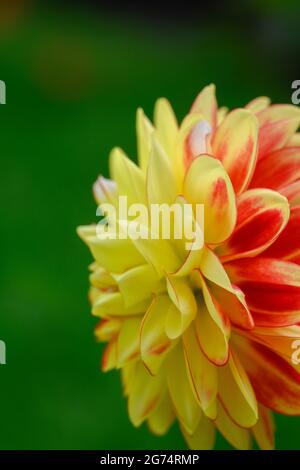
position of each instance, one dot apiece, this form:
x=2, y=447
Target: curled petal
x=262, y=215
x=207, y=183
x=235, y=145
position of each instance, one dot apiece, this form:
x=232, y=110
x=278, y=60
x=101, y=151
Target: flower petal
x=109, y=356
x=129, y=177
x=258, y=104
x=235, y=145
x=294, y=140
x=143, y=276
x=107, y=329
x=276, y=383
x=160, y=167
x=287, y=246
x=145, y=394
x=204, y=436
x=262, y=212
x=207, y=183
x=154, y=343
x=234, y=434
x=292, y=193
x=128, y=341
x=203, y=375
x=186, y=407
x=280, y=168
x=277, y=125
x=144, y=130
x=162, y=417
x=112, y=304
x=206, y=104
x=212, y=328
x=166, y=126
x=236, y=393
x=264, y=429
x=114, y=255
x=272, y=289
x=185, y=307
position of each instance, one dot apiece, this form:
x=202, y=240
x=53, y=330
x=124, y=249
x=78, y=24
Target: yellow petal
x=131, y=181
x=160, y=170
x=186, y=407
x=112, y=304
x=258, y=104
x=206, y=104
x=109, y=356
x=154, y=343
x=236, y=393
x=207, y=183
x=144, y=131
x=107, y=329
x=203, y=375
x=139, y=283
x=182, y=296
x=145, y=394
x=204, y=436
x=162, y=417
x=238, y=437
x=166, y=126
x=115, y=255
x=264, y=429
x=213, y=329
x=128, y=341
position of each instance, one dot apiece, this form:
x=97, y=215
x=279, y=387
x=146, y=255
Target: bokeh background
x=75, y=74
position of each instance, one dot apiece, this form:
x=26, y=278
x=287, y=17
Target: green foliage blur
x=75, y=77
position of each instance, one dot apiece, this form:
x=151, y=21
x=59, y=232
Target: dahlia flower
x=205, y=337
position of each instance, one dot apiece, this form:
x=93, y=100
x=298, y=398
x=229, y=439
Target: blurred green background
x=75, y=74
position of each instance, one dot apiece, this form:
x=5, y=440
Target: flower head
x=205, y=336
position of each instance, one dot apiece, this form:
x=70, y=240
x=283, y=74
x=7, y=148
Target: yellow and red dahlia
x=205, y=337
